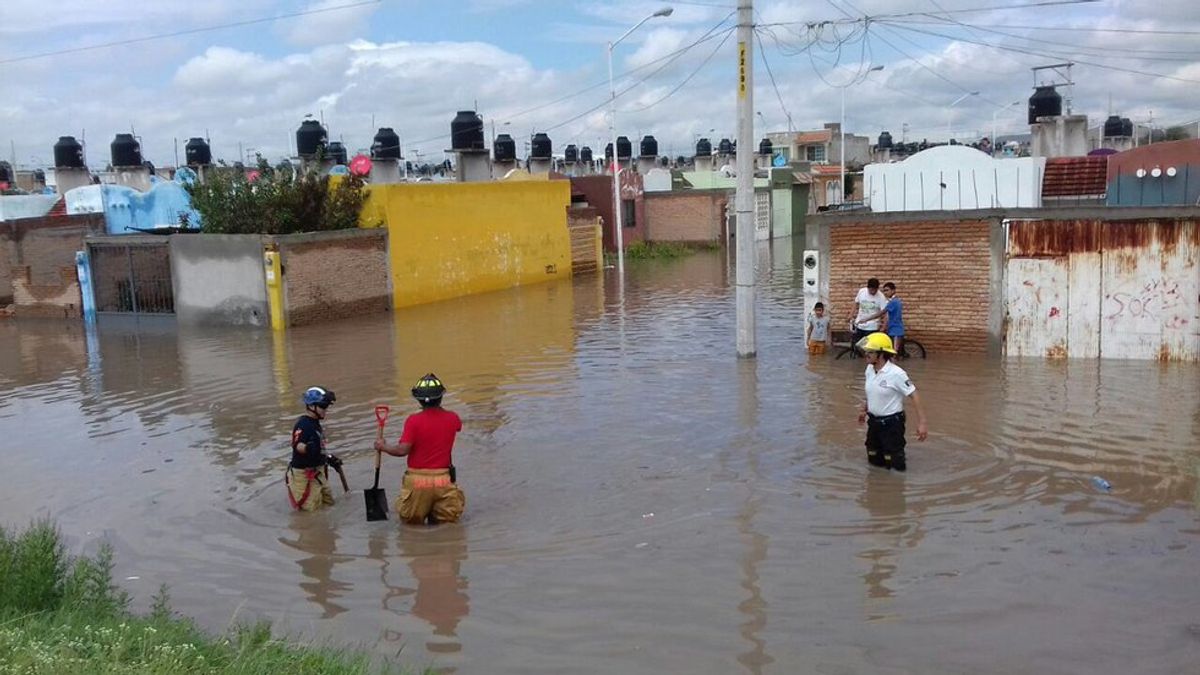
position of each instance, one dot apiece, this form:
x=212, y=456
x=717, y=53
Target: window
x=628, y=213
x=815, y=153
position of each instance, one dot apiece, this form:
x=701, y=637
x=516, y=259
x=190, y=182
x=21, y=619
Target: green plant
x=641, y=250
x=278, y=201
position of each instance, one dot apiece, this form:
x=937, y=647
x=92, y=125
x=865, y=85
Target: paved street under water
x=638, y=499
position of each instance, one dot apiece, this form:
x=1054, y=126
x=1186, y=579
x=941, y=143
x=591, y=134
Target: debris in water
x=644, y=544
x=132, y=578
x=1101, y=484
x=647, y=515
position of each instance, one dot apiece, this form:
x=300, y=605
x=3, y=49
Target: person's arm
x=402, y=447
x=300, y=436
x=862, y=412
x=922, y=424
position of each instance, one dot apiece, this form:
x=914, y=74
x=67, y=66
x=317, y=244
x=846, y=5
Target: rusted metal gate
x=1110, y=289
x=132, y=277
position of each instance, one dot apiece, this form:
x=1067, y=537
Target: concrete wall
x=16, y=207
x=1059, y=136
x=1126, y=188
x=453, y=239
x=598, y=191
x=333, y=275
x=685, y=216
x=219, y=279
x=953, y=177
x=39, y=258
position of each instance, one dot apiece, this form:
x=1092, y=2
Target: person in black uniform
x=307, y=476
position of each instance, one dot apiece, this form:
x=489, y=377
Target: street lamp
x=949, y=114
x=612, y=132
x=842, y=141
x=1002, y=109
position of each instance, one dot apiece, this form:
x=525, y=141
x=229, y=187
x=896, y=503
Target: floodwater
x=638, y=499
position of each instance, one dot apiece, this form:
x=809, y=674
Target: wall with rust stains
x=448, y=240
x=1127, y=289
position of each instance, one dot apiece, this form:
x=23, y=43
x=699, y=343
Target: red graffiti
x=1054, y=312
x=1155, y=299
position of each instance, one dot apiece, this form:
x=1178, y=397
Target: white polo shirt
x=886, y=389
x=869, y=303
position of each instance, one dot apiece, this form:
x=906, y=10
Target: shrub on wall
x=276, y=200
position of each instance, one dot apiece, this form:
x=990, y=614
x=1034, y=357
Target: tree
x=1177, y=134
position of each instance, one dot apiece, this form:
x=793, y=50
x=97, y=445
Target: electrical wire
x=190, y=31
x=687, y=79
x=1078, y=29
x=995, y=8
x=1029, y=52
x=762, y=50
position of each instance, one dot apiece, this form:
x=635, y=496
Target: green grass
x=62, y=614
x=662, y=250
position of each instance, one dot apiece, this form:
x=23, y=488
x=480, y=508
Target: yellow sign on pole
x=741, y=70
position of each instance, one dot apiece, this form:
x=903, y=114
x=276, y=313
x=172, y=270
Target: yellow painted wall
x=447, y=240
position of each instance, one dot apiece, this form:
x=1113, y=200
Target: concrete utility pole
x=744, y=202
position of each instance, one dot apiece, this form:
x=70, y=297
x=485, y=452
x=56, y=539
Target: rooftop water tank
x=624, y=148
x=1045, y=102
x=126, y=151
x=585, y=154
x=571, y=153
x=885, y=141
x=540, y=147
x=6, y=172
x=466, y=131
x=311, y=138
x=725, y=147
x=386, y=144
x=1112, y=126
x=504, y=149
x=1126, y=127
x=337, y=152
x=649, y=146
x=703, y=148
x=765, y=147
x=608, y=152
x=197, y=152
x=68, y=153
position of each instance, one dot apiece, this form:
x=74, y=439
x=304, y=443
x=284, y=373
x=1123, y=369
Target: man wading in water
x=307, y=476
x=883, y=411
x=429, y=490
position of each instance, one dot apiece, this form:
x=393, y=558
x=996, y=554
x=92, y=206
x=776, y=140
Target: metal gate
x=132, y=277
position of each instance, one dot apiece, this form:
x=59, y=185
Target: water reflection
x=754, y=606
x=313, y=535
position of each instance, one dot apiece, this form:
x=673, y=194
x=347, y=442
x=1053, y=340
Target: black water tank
x=765, y=147
x=1113, y=126
x=337, y=152
x=649, y=146
x=1127, y=127
x=6, y=172
x=197, y=152
x=466, y=131
x=885, y=141
x=725, y=147
x=1045, y=102
x=310, y=138
x=624, y=148
x=585, y=155
x=126, y=151
x=504, y=149
x=68, y=153
x=608, y=152
x=703, y=148
x=386, y=144
x=540, y=147
x=571, y=153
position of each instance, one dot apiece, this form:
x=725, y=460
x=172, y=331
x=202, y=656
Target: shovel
x=375, y=497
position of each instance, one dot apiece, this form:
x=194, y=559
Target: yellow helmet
x=877, y=342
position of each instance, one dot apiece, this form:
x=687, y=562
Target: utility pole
x=744, y=202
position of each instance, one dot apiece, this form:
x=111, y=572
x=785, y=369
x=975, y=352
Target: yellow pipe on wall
x=273, y=270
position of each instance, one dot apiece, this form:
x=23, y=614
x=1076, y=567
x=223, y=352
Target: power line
x=1079, y=29
x=763, y=53
x=687, y=79
x=1144, y=54
x=1045, y=55
x=190, y=31
x=877, y=17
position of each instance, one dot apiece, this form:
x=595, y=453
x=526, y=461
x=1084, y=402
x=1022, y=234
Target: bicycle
x=911, y=348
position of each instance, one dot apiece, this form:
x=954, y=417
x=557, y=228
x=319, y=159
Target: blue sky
x=410, y=64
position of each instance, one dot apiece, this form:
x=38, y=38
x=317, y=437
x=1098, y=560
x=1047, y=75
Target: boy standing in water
x=429, y=490
x=817, y=335
x=307, y=476
x=887, y=386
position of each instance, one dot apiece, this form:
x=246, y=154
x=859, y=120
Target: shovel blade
x=377, y=504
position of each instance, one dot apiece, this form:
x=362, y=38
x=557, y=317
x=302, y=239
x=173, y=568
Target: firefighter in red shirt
x=429, y=491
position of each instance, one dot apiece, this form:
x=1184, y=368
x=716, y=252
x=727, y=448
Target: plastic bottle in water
x=1101, y=484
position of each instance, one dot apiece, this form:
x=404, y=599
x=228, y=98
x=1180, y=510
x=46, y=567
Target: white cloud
x=329, y=24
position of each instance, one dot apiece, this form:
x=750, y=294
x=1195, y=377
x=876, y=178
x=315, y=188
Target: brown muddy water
x=638, y=499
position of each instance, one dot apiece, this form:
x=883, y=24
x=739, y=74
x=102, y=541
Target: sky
x=540, y=65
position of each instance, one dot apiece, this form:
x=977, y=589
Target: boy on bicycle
x=892, y=316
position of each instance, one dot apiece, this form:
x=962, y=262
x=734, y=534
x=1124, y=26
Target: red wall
x=598, y=191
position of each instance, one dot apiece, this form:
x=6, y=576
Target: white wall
x=951, y=178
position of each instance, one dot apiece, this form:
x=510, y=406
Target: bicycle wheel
x=913, y=349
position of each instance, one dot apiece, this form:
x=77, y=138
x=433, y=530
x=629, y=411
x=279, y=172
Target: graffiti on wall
x=1159, y=302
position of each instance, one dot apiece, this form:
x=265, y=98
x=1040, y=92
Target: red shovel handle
x=381, y=414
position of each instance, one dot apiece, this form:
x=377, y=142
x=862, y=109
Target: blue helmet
x=319, y=396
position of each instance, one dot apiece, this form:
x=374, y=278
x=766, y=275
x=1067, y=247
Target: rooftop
x=1075, y=176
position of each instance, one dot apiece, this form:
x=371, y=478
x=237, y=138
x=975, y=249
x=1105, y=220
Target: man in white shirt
x=887, y=385
x=867, y=305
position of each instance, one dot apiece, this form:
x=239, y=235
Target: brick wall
x=333, y=275
x=41, y=262
x=8, y=251
x=941, y=271
x=685, y=216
